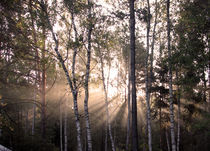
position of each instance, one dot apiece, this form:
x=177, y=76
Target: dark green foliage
x=192, y=55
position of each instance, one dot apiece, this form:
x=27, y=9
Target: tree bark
x=178, y=113
x=26, y=121
x=148, y=81
x=106, y=136
x=36, y=65
x=173, y=143
x=167, y=140
x=76, y=115
x=72, y=87
x=205, y=85
x=153, y=42
x=61, y=129
x=65, y=127
x=160, y=125
x=34, y=112
x=209, y=80
x=43, y=93
x=128, y=123
x=75, y=93
x=87, y=121
x=106, y=102
x=133, y=78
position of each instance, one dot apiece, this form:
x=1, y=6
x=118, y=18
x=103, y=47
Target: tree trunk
x=133, y=78
x=34, y=112
x=173, y=143
x=160, y=124
x=205, y=85
x=26, y=121
x=43, y=93
x=167, y=140
x=87, y=121
x=148, y=82
x=76, y=115
x=65, y=129
x=36, y=66
x=73, y=88
x=178, y=113
x=128, y=123
x=153, y=42
x=61, y=128
x=106, y=135
x=209, y=81
x=74, y=94
x=106, y=102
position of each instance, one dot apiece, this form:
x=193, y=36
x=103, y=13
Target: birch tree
x=173, y=143
x=129, y=108
x=108, y=124
x=87, y=122
x=72, y=85
x=148, y=80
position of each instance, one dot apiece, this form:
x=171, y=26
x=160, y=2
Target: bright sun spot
x=112, y=83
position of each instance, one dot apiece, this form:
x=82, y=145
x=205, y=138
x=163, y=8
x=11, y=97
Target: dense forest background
x=104, y=75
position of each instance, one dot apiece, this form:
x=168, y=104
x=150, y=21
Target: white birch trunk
x=173, y=143
x=78, y=128
x=153, y=42
x=147, y=82
x=106, y=102
x=128, y=122
x=74, y=91
x=72, y=85
x=87, y=121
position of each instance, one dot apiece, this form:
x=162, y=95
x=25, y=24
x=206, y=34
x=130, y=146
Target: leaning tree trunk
x=133, y=78
x=173, y=143
x=70, y=83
